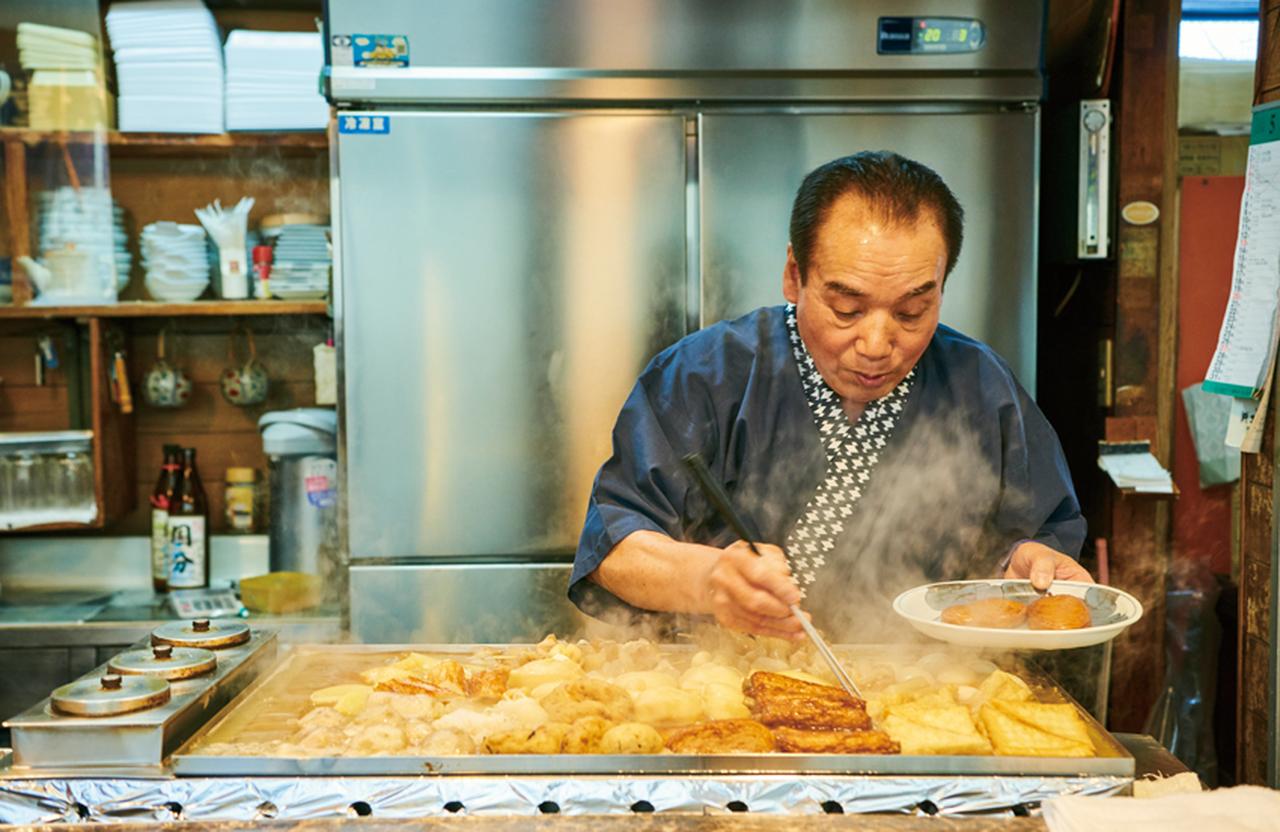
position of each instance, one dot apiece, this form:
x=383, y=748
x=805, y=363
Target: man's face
x=871, y=302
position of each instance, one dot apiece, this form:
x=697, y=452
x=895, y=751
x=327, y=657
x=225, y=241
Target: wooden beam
x=114, y=475
x=1145, y=345
x=1256, y=688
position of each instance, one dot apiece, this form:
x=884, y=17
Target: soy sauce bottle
x=161, y=498
x=188, y=529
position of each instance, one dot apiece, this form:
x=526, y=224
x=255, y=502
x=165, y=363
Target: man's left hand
x=1044, y=566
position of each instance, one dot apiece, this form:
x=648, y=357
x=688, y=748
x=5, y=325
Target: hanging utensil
x=720, y=500
x=121, y=393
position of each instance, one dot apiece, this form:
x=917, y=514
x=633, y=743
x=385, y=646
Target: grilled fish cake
x=810, y=714
x=796, y=741
x=1058, y=612
x=998, y=613
x=723, y=736
x=780, y=701
x=765, y=685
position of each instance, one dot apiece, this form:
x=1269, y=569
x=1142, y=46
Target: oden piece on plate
x=1001, y=613
x=1058, y=612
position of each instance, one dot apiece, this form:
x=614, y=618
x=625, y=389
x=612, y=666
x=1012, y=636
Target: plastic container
x=281, y=592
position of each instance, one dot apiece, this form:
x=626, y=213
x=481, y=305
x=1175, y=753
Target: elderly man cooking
x=876, y=447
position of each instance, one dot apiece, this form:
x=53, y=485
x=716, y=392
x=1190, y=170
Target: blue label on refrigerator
x=355, y=123
x=380, y=50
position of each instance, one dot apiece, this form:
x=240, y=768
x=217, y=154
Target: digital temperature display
x=929, y=35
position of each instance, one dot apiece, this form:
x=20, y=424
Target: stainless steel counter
x=50, y=638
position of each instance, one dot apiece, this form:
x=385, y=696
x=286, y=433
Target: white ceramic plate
x=1113, y=610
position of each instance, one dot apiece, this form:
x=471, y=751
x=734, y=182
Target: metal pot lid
x=110, y=694
x=165, y=661
x=211, y=635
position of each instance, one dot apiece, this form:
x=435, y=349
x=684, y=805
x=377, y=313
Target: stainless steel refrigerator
x=533, y=197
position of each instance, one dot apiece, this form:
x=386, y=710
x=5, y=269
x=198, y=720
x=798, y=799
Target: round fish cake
x=1000, y=613
x=584, y=736
x=1058, y=612
x=631, y=738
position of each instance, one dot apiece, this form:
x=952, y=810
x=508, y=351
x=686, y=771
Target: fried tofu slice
x=1005, y=687
x=488, y=683
x=347, y=700
x=798, y=741
x=1036, y=729
x=723, y=736
x=933, y=729
x=420, y=674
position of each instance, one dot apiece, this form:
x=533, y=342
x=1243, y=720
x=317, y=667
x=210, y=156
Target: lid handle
x=112, y=681
x=200, y=625
x=163, y=651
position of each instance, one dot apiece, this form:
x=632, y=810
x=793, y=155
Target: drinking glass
x=24, y=483
x=76, y=475
x=7, y=503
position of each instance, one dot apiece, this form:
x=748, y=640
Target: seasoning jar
x=241, y=500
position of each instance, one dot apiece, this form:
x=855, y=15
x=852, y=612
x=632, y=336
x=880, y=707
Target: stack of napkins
x=169, y=66
x=66, y=90
x=1131, y=465
x=53, y=47
x=273, y=81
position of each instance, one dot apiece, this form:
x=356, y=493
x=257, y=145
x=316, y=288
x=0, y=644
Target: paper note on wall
x=1247, y=339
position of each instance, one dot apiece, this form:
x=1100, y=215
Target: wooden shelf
x=55, y=527
x=177, y=144
x=152, y=309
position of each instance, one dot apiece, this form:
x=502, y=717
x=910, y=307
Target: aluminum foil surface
x=122, y=800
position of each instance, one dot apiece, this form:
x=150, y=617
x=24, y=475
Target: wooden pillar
x=1257, y=493
x=1145, y=336
x=15, y=200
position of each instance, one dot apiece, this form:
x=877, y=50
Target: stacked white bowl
x=176, y=259
x=89, y=220
x=301, y=261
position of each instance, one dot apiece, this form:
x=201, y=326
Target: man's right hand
x=751, y=593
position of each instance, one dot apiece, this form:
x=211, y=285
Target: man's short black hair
x=894, y=186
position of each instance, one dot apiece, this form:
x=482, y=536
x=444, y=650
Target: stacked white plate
x=176, y=259
x=169, y=66
x=273, y=81
x=301, y=261
x=89, y=220
x=53, y=47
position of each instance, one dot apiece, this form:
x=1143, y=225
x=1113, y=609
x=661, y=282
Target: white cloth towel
x=1239, y=809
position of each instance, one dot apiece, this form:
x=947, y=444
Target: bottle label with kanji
x=187, y=567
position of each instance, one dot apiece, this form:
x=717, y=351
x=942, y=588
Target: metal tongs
x=716, y=494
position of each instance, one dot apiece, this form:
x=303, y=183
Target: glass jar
x=243, y=508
